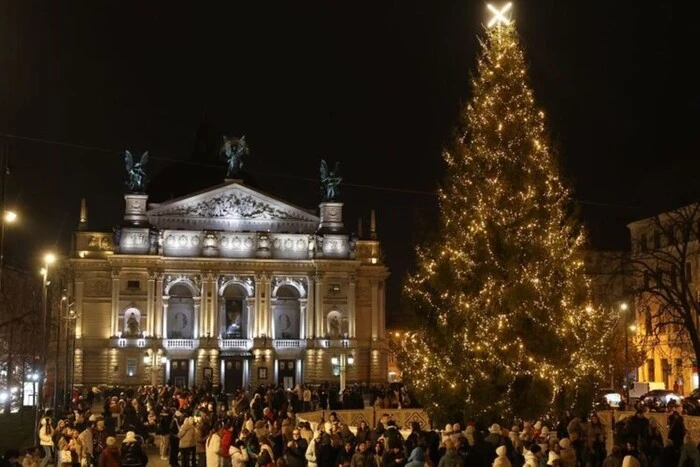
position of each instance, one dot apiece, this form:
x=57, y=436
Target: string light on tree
x=499, y=16
x=508, y=322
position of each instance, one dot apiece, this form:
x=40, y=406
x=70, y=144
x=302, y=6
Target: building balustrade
x=244, y=344
x=128, y=342
x=180, y=344
x=288, y=343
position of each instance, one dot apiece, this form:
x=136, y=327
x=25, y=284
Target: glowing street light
x=499, y=16
x=10, y=216
x=623, y=306
x=49, y=258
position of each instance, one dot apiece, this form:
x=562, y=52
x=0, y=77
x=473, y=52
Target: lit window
x=130, y=367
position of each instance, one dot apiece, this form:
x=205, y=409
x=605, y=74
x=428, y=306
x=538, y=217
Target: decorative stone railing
x=244, y=344
x=288, y=343
x=128, y=342
x=185, y=344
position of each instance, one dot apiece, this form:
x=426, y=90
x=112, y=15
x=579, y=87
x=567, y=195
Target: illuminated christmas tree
x=509, y=331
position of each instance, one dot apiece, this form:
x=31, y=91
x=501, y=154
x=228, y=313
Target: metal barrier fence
x=371, y=415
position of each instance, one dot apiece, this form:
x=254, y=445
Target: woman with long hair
x=46, y=432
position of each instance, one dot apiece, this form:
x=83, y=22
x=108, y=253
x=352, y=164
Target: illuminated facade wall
x=228, y=285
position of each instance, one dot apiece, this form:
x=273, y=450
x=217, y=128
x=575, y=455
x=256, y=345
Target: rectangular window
x=130, y=367
x=643, y=242
x=133, y=284
x=651, y=370
x=689, y=272
x=659, y=277
x=657, y=240
x=648, y=324
x=679, y=366
x=671, y=235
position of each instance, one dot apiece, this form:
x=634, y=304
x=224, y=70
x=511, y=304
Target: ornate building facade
x=229, y=285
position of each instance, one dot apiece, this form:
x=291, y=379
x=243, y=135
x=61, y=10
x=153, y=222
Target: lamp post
x=623, y=309
x=340, y=364
x=8, y=218
x=155, y=360
x=49, y=259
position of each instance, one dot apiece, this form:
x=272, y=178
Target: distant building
x=660, y=265
x=228, y=285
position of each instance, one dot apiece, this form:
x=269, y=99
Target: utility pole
x=3, y=305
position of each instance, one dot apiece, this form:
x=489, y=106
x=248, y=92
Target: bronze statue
x=233, y=150
x=330, y=182
x=137, y=175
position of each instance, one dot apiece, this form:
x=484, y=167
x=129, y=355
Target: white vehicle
x=639, y=388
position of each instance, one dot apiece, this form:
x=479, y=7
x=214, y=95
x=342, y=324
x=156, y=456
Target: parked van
x=639, y=388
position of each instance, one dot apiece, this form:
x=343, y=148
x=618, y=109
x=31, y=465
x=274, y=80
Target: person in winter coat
x=690, y=456
x=417, y=457
x=668, y=456
x=266, y=456
x=110, y=456
x=294, y=454
x=553, y=459
x=132, y=454
x=187, y=436
x=532, y=456
x=311, y=454
x=212, y=447
x=501, y=460
x=362, y=457
x=238, y=454
x=567, y=455
x=325, y=455
x=450, y=458
x=46, y=432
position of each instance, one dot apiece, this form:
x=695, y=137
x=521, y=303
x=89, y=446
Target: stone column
x=215, y=313
x=115, y=302
x=318, y=306
x=259, y=329
x=267, y=310
x=197, y=318
x=78, y=294
x=382, y=310
x=207, y=312
x=150, y=303
x=166, y=299
x=351, y=308
x=311, y=311
x=375, y=308
x=303, y=305
x=158, y=307
x=252, y=321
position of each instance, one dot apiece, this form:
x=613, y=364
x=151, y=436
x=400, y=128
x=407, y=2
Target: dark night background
x=375, y=85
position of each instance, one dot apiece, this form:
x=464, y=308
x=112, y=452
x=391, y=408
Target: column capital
x=352, y=279
x=154, y=274
x=263, y=276
x=115, y=273
x=318, y=277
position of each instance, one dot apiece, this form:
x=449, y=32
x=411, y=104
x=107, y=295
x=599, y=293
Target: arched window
x=235, y=312
x=180, y=312
x=286, y=313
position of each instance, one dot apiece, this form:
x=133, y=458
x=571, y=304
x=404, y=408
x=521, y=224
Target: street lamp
x=49, y=259
x=623, y=308
x=154, y=360
x=8, y=218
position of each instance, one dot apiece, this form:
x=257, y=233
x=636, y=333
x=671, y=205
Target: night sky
x=375, y=85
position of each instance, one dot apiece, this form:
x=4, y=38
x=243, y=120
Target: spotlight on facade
x=351, y=360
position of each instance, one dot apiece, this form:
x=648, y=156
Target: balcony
x=289, y=344
x=237, y=344
x=127, y=342
x=182, y=344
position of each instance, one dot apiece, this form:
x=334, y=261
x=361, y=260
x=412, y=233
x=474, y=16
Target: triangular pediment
x=232, y=207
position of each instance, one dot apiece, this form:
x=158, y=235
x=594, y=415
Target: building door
x=285, y=373
x=179, y=372
x=233, y=375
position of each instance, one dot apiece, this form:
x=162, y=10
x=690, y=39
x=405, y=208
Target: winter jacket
x=187, y=435
x=311, y=454
x=361, y=459
x=110, y=457
x=417, y=458
x=239, y=457
x=45, y=438
x=450, y=459
x=133, y=456
x=212, y=447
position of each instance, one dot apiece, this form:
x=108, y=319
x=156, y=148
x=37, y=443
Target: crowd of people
x=198, y=428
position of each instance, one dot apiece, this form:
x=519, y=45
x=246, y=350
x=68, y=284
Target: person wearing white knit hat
x=501, y=459
x=553, y=459
x=630, y=461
